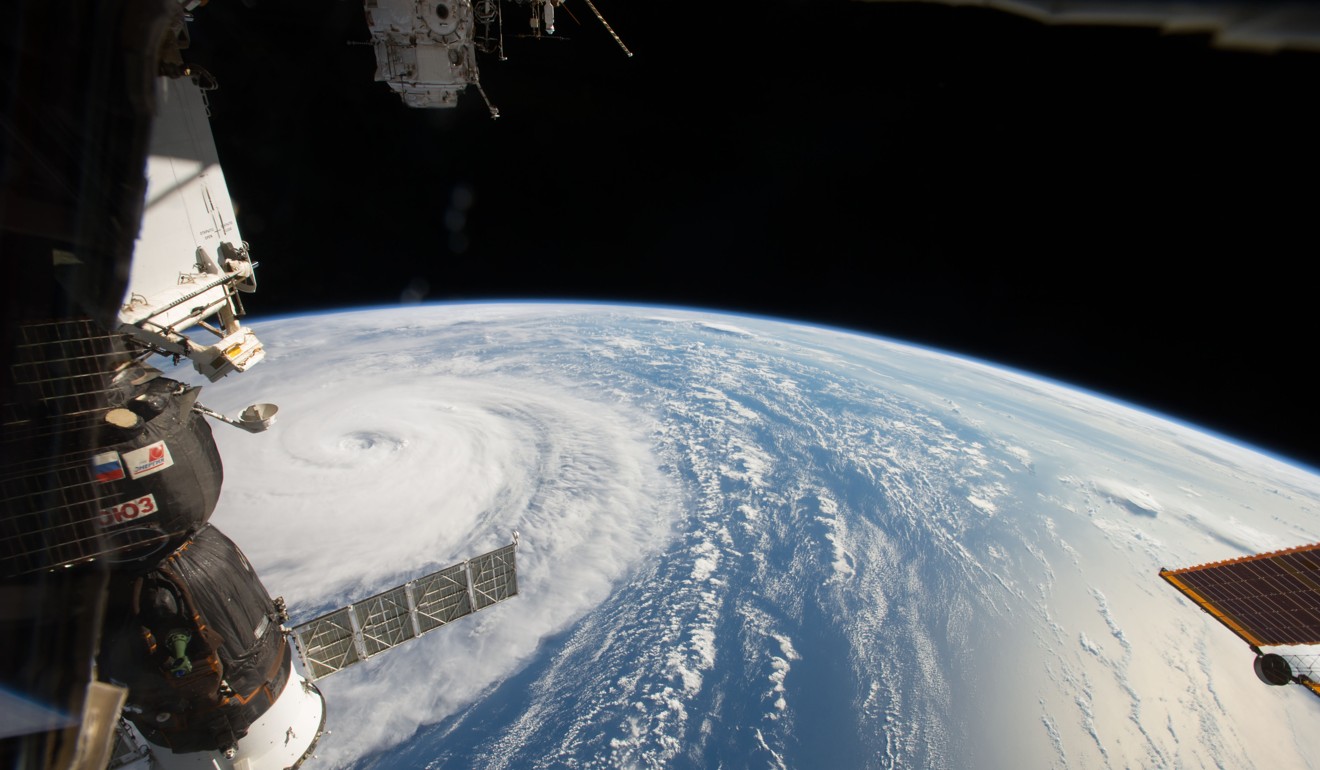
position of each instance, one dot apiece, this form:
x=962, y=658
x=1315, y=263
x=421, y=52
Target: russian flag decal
x=106, y=467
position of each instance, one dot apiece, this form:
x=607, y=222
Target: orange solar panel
x=1267, y=599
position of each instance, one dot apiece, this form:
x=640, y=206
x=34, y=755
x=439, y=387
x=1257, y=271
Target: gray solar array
x=337, y=640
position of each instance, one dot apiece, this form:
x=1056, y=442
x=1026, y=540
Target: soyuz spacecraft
x=141, y=636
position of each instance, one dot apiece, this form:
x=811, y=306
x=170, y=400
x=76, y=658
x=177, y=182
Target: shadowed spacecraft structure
x=143, y=636
x=1270, y=600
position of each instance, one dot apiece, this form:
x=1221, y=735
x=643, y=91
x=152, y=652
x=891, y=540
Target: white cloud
x=374, y=475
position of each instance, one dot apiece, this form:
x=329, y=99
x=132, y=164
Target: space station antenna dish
x=255, y=419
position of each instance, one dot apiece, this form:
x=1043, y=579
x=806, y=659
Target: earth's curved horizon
x=750, y=542
x=1276, y=454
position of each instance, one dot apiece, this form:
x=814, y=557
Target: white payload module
x=190, y=262
x=426, y=50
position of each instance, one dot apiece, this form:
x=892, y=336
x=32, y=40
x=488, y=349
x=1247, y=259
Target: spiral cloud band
x=385, y=467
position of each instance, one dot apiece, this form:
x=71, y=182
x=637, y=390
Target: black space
x=1125, y=210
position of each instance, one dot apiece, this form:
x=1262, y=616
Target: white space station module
x=426, y=50
x=191, y=264
x=109, y=475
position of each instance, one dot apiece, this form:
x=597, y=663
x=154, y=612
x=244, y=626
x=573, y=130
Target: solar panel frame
x=441, y=597
x=1267, y=599
x=327, y=644
x=384, y=620
x=352, y=634
x=494, y=577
